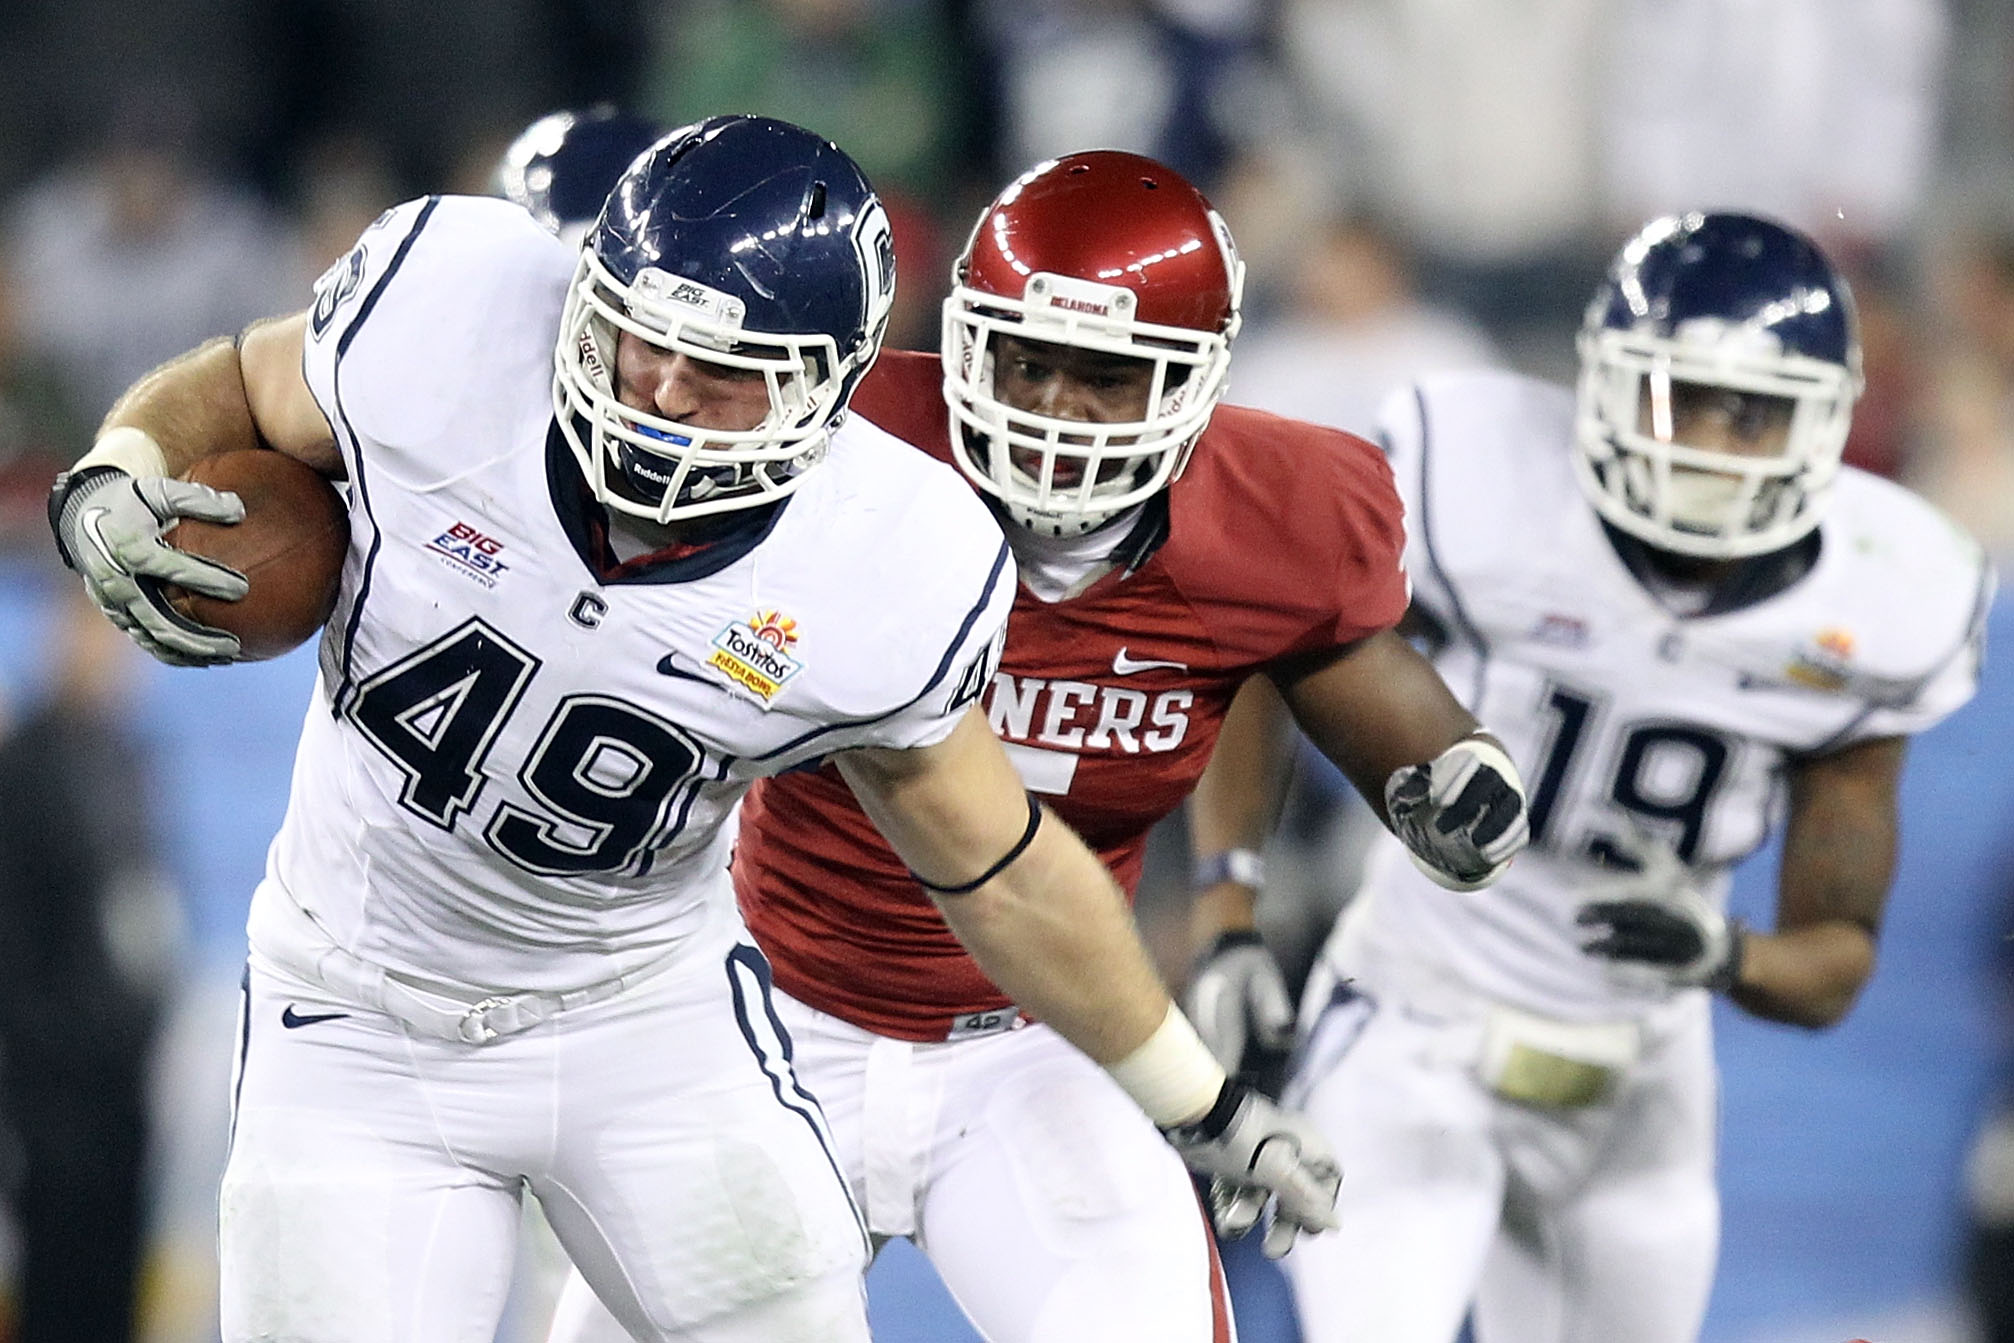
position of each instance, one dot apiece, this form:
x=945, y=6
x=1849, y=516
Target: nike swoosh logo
x=293, y=1020
x=1126, y=666
x=668, y=666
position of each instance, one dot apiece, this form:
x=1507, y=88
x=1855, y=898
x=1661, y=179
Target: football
x=289, y=547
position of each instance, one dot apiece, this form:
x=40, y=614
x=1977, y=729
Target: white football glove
x=1238, y=1001
x=108, y=527
x=1655, y=922
x=1257, y=1154
x=1461, y=815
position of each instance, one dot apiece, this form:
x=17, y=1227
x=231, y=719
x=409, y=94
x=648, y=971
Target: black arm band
x=1212, y=1125
x=1020, y=847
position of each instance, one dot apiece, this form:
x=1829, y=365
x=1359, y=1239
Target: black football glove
x=1461, y=814
x=1655, y=920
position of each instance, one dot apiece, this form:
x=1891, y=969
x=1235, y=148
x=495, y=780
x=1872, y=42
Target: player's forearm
x=1043, y=918
x=191, y=407
x=1053, y=932
x=1807, y=976
x=1839, y=854
x=1237, y=800
x=1372, y=708
x=1234, y=808
x=222, y=396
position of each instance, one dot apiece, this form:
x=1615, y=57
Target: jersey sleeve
x=1373, y=584
x=1951, y=681
x=916, y=582
x=345, y=295
x=970, y=657
x=1401, y=433
x=1290, y=537
x=434, y=291
x=1909, y=591
x=1482, y=460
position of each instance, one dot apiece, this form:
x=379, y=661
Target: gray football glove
x=108, y=528
x=1461, y=815
x=1238, y=1001
x=1257, y=1154
x=1656, y=922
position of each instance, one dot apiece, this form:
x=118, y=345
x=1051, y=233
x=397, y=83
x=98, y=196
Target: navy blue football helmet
x=742, y=242
x=562, y=166
x=1727, y=306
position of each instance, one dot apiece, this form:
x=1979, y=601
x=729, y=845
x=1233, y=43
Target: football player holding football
x=616, y=551
x=1689, y=622
x=1169, y=549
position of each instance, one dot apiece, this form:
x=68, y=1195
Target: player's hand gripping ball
x=289, y=547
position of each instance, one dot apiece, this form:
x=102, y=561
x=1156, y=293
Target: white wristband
x=132, y=450
x=1172, y=1075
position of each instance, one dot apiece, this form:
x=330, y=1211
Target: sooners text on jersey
x=1283, y=538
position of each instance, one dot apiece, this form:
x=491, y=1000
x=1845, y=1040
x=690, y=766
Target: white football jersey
x=1612, y=705
x=515, y=774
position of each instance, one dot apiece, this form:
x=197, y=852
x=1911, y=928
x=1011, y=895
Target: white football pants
x=372, y=1192
x=1597, y=1224
x=1051, y=1207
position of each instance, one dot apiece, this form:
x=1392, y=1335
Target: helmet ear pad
x=747, y=244
x=1110, y=254
x=1740, y=305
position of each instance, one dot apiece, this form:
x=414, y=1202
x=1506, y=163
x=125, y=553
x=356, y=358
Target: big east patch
x=471, y=553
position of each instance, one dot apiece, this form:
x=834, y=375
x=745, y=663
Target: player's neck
x=1057, y=568
x=1698, y=585
x=617, y=543
x=632, y=537
x=1691, y=571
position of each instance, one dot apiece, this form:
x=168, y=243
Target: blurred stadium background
x=1415, y=182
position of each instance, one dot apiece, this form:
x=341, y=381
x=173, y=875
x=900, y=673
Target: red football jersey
x=1284, y=538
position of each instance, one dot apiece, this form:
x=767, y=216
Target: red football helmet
x=1107, y=252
